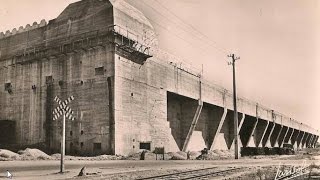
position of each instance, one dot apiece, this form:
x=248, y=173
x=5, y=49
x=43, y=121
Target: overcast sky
x=277, y=40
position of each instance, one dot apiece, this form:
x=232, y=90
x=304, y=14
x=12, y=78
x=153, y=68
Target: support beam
x=300, y=136
x=294, y=136
x=241, y=122
x=223, y=118
x=304, y=139
x=282, y=135
x=260, y=131
x=307, y=140
x=266, y=138
x=289, y=139
x=315, y=141
x=275, y=135
x=288, y=135
x=251, y=134
x=193, y=125
x=310, y=141
x=239, y=128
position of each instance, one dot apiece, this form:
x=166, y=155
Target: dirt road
x=118, y=168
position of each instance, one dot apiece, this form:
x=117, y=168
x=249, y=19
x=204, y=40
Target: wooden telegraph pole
x=235, y=112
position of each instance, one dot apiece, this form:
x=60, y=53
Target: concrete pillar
x=260, y=131
x=315, y=141
x=307, y=140
x=282, y=135
x=310, y=141
x=288, y=136
x=239, y=128
x=294, y=136
x=250, y=140
x=304, y=139
x=299, y=139
x=266, y=139
x=275, y=134
x=312, y=136
x=216, y=134
x=193, y=125
x=241, y=122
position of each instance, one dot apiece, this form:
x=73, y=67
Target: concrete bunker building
x=128, y=95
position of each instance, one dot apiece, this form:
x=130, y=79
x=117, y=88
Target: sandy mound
x=29, y=154
x=95, y=158
x=194, y=154
x=6, y=154
x=178, y=155
x=109, y=157
x=217, y=154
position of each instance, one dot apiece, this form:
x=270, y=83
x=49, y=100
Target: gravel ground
x=27, y=165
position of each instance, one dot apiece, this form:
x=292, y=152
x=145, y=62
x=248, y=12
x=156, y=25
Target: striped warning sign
x=63, y=108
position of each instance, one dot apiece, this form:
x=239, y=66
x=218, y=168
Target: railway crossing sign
x=63, y=110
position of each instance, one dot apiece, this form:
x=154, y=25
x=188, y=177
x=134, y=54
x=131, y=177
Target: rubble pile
x=8, y=155
x=33, y=154
x=216, y=154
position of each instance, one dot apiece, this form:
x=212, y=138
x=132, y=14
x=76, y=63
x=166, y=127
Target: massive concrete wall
x=158, y=100
x=68, y=56
x=142, y=99
x=122, y=102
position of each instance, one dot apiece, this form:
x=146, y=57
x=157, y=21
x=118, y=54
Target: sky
x=278, y=42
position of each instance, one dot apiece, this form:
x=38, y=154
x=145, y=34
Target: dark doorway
x=7, y=132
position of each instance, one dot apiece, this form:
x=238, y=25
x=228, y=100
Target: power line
x=182, y=28
x=175, y=34
x=195, y=29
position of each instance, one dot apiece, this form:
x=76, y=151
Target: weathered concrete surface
x=96, y=51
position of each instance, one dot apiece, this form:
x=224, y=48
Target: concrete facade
x=125, y=100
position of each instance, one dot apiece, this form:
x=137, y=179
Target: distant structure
x=128, y=94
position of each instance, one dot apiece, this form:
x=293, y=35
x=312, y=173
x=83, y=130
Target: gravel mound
x=57, y=156
x=134, y=156
x=8, y=155
x=194, y=154
x=178, y=155
x=216, y=154
x=109, y=157
x=33, y=154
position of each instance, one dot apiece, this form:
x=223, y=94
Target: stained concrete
x=128, y=93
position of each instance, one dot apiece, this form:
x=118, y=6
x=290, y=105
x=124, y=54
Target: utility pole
x=235, y=112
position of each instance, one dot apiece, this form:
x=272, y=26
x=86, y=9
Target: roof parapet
x=21, y=29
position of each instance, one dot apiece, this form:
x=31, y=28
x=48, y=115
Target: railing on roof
x=129, y=39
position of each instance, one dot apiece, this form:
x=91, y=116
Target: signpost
x=63, y=110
